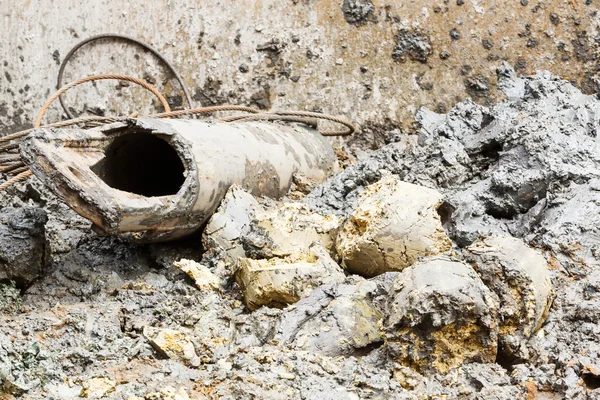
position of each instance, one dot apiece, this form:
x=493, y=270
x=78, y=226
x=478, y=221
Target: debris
x=286, y=375
x=157, y=180
x=170, y=393
x=413, y=44
x=284, y=229
x=222, y=237
x=393, y=225
x=408, y=378
x=441, y=315
x=19, y=386
x=520, y=278
x=172, y=344
x=567, y=228
x=203, y=278
x=527, y=166
x=357, y=12
x=10, y=298
x=334, y=320
x=97, y=388
x=22, y=244
x=591, y=376
x=241, y=227
x=277, y=282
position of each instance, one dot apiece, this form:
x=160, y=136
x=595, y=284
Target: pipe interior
x=143, y=164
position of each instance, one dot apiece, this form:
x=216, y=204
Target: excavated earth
x=84, y=316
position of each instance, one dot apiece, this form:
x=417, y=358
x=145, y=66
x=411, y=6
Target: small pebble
x=286, y=375
x=454, y=34
x=487, y=44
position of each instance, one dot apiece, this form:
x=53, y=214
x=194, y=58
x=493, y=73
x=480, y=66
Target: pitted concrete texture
x=375, y=62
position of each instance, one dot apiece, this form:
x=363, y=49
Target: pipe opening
x=141, y=163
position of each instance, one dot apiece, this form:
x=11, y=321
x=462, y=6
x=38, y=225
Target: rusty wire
x=21, y=177
x=61, y=70
x=145, y=85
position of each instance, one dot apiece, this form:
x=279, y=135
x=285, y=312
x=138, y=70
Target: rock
x=170, y=393
x=413, y=44
x=172, y=344
x=257, y=330
x=277, y=282
x=19, y=386
x=486, y=381
x=520, y=278
x=284, y=229
x=407, y=378
x=242, y=227
x=97, y=388
x=223, y=232
x=357, y=12
x=22, y=244
x=566, y=229
x=335, y=320
x=201, y=275
x=10, y=299
x=440, y=316
x=393, y=225
x=591, y=376
x=301, y=185
x=582, y=301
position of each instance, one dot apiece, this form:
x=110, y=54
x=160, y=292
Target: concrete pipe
x=156, y=179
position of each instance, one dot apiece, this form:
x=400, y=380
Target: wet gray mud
x=101, y=317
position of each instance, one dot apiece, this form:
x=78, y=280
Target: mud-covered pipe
x=156, y=179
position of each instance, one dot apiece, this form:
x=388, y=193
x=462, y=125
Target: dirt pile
x=518, y=183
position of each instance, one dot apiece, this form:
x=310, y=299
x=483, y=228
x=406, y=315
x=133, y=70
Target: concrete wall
x=375, y=63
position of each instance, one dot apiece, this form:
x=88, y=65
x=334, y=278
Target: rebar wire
x=145, y=85
x=61, y=70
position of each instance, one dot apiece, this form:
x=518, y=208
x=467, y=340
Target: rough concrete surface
x=100, y=317
x=375, y=62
